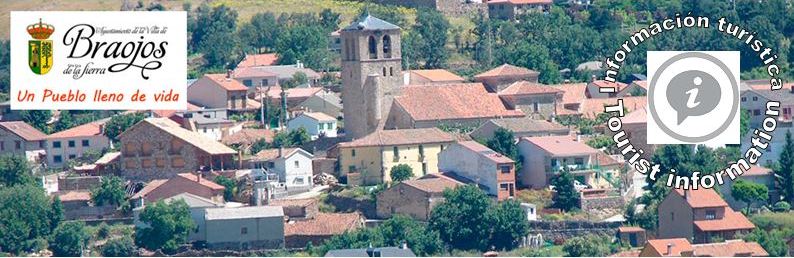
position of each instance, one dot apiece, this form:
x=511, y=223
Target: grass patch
x=774, y=220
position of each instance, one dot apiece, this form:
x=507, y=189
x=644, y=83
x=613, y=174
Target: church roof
x=369, y=22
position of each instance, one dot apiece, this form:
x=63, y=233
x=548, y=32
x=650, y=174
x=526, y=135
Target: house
x=248, y=136
x=284, y=73
x=295, y=96
x=546, y=156
x=193, y=184
x=415, y=198
x=298, y=233
x=632, y=236
x=158, y=148
x=621, y=89
x=497, y=79
x=243, y=228
x=756, y=174
x=535, y=100
x=7, y=114
x=20, y=138
x=212, y=128
x=430, y=76
x=682, y=247
x=700, y=215
x=492, y=171
x=78, y=205
x=196, y=205
x=521, y=127
x=258, y=60
x=369, y=160
x=292, y=165
x=220, y=91
x=592, y=107
x=296, y=209
x=510, y=9
x=402, y=251
x=323, y=101
x=315, y=123
x=574, y=94
x=425, y=106
x=635, y=124
x=754, y=100
x=74, y=142
x=255, y=77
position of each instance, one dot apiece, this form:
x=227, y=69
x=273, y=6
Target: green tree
x=462, y=220
x=744, y=122
x=119, y=247
x=772, y=241
x=421, y=240
x=432, y=28
x=567, y=197
x=293, y=138
x=70, y=239
x=167, y=226
x=65, y=121
x=229, y=185
x=25, y=220
x=56, y=212
x=401, y=173
x=260, y=33
x=503, y=142
x=110, y=191
x=120, y=123
x=785, y=169
x=330, y=20
x=307, y=43
x=215, y=36
x=37, y=118
x=14, y=170
x=587, y=246
x=509, y=222
x=749, y=192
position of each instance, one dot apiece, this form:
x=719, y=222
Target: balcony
x=575, y=168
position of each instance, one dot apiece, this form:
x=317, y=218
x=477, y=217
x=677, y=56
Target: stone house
x=158, y=148
x=284, y=73
x=316, y=124
x=535, y=100
x=368, y=160
x=546, y=156
x=292, y=165
x=499, y=78
x=493, y=172
x=521, y=127
x=296, y=209
x=19, y=138
x=220, y=91
x=700, y=215
x=298, y=233
x=193, y=184
x=243, y=228
x=510, y=9
x=74, y=142
x=459, y=104
x=633, y=236
x=415, y=198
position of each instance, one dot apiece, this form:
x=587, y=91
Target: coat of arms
x=40, y=48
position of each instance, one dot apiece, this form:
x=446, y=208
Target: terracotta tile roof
x=226, y=83
x=71, y=196
x=452, y=101
x=529, y=88
x=561, y=145
x=485, y=152
x=527, y=124
x=23, y=130
x=573, y=92
x=506, y=70
x=203, y=182
x=294, y=202
x=630, y=229
x=293, y=93
x=756, y=170
x=193, y=138
x=679, y=245
x=627, y=253
x=108, y=157
x=319, y=116
x=258, y=60
x=619, y=86
x=437, y=75
x=148, y=188
x=702, y=198
x=271, y=154
x=732, y=220
x=248, y=136
x=605, y=160
x=401, y=137
x=730, y=248
x=592, y=107
x=85, y=130
x=170, y=113
x=643, y=84
x=156, y=184
x=324, y=224
x=638, y=116
x=433, y=184
x=248, y=72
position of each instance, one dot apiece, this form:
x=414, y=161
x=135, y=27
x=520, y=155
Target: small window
x=503, y=187
x=386, y=46
x=505, y=169
x=299, y=181
x=57, y=159
x=579, y=161
x=672, y=216
x=351, y=169
x=757, y=112
x=265, y=82
x=384, y=71
x=85, y=143
x=711, y=214
x=72, y=156
x=71, y=144
x=18, y=145
x=2, y=146
x=396, y=152
x=56, y=144
x=744, y=99
x=353, y=152
x=373, y=48
x=391, y=71
x=297, y=164
x=244, y=231
x=248, y=83
x=271, y=165
x=755, y=98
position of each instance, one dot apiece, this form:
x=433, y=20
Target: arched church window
x=386, y=46
x=373, y=48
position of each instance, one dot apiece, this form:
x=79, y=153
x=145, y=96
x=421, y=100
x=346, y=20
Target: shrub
x=119, y=247
x=782, y=206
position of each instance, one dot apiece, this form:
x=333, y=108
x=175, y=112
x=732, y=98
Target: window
x=299, y=181
x=505, y=169
x=271, y=164
x=265, y=82
x=755, y=98
x=85, y=143
x=553, y=162
x=744, y=99
x=672, y=216
x=386, y=46
x=711, y=214
x=321, y=126
x=535, y=107
x=160, y=162
x=178, y=162
x=56, y=144
x=391, y=71
x=244, y=231
x=248, y=83
x=18, y=144
x=384, y=71
x=757, y=112
x=396, y=153
x=71, y=144
x=351, y=169
x=297, y=164
x=424, y=168
x=503, y=187
x=353, y=152
x=57, y=159
x=146, y=163
x=72, y=156
x=579, y=161
x=373, y=48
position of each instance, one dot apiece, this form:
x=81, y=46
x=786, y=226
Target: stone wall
x=78, y=183
x=344, y=204
x=561, y=230
x=596, y=203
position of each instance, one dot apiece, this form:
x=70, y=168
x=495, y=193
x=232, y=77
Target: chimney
x=669, y=249
x=404, y=245
x=280, y=151
x=229, y=74
x=198, y=177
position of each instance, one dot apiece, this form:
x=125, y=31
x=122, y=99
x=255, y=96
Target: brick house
x=415, y=198
x=20, y=138
x=182, y=183
x=499, y=78
x=477, y=163
x=700, y=215
x=633, y=236
x=220, y=91
x=158, y=148
x=535, y=100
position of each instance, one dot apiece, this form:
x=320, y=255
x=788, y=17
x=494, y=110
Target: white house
x=315, y=123
x=74, y=142
x=292, y=165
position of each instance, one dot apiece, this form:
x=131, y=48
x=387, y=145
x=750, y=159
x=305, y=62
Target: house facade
x=545, y=157
x=756, y=174
x=158, y=148
x=521, y=127
x=701, y=216
x=491, y=170
x=369, y=160
x=499, y=78
x=414, y=198
x=292, y=165
x=535, y=100
x=72, y=143
x=316, y=124
x=193, y=184
x=243, y=228
x=219, y=91
x=510, y=9
x=19, y=138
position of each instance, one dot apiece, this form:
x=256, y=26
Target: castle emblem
x=40, y=48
